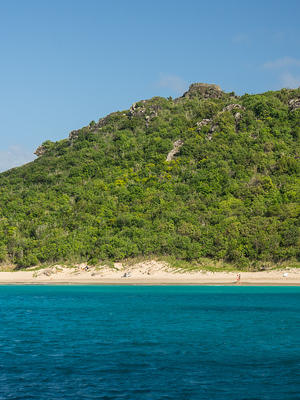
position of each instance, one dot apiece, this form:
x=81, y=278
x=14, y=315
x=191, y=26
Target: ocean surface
x=139, y=342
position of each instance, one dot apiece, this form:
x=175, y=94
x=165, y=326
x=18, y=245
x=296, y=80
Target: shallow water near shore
x=149, y=342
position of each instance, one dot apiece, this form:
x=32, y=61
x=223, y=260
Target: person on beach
x=238, y=278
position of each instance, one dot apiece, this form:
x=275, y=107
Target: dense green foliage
x=230, y=193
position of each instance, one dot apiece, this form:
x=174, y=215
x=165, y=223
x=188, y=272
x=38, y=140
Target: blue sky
x=64, y=63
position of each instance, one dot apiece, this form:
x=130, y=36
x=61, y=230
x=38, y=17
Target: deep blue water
x=126, y=342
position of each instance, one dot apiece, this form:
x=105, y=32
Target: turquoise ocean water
x=129, y=342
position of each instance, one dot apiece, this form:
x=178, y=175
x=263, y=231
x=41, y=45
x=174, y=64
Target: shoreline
x=143, y=283
x=147, y=273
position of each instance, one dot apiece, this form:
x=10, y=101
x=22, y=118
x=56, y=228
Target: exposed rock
x=105, y=120
x=93, y=126
x=202, y=123
x=294, y=104
x=214, y=127
x=234, y=106
x=205, y=122
x=231, y=107
x=73, y=135
x=204, y=90
x=144, y=108
x=140, y=110
x=41, y=150
x=175, y=150
x=137, y=110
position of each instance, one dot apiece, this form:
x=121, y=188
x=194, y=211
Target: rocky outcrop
x=294, y=104
x=234, y=106
x=229, y=108
x=203, y=90
x=73, y=135
x=93, y=126
x=142, y=109
x=202, y=123
x=137, y=109
x=175, y=150
x=105, y=120
x=41, y=150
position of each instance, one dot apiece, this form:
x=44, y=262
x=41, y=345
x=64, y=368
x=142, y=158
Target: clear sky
x=67, y=62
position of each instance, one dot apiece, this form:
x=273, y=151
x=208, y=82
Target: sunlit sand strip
x=147, y=273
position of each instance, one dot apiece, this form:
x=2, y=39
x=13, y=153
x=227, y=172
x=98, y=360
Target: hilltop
x=209, y=175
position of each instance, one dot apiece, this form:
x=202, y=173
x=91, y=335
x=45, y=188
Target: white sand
x=146, y=273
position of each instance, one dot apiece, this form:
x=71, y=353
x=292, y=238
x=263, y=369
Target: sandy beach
x=146, y=273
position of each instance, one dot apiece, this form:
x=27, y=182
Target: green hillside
x=207, y=175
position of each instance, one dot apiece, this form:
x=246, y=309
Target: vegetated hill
x=209, y=174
